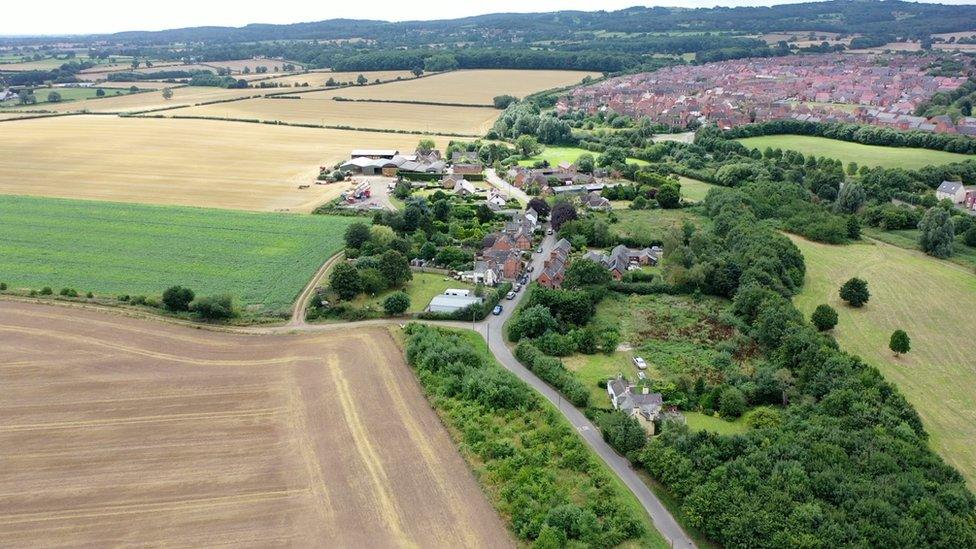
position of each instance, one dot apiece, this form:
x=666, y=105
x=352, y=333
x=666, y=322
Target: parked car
x=639, y=362
x=497, y=310
x=511, y=295
x=538, y=250
x=517, y=288
x=641, y=375
x=531, y=268
x=549, y=230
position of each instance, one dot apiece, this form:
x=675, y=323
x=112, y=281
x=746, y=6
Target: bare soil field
x=180, y=162
x=119, y=431
x=476, y=87
x=317, y=79
x=322, y=109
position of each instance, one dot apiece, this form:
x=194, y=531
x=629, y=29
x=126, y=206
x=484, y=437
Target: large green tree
x=936, y=231
x=900, y=343
x=855, y=292
x=344, y=280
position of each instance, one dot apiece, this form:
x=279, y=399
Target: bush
x=732, y=403
x=46, y=290
x=396, y=303
x=824, y=317
x=178, y=298
x=68, y=292
x=138, y=300
x=621, y=431
x=762, y=417
x=3, y=286
x=855, y=292
x=89, y=295
x=220, y=307
x=552, y=371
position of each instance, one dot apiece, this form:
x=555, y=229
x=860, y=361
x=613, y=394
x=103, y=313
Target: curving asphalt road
x=492, y=330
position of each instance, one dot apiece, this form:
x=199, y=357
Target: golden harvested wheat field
x=182, y=162
x=238, y=65
x=119, y=431
x=317, y=79
x=328, y=112
x=474, y=87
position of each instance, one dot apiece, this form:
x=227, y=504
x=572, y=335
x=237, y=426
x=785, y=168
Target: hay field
x=237, y=66
x=930, y=299
x=474, y=87
x=317, y=79
x=323, y=110
x=182, y=162
x=864, y=155
x=119, y=431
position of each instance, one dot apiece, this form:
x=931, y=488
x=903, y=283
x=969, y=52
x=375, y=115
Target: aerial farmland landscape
x=620, y=275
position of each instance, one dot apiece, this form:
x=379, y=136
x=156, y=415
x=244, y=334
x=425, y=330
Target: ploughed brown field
x=118, y=431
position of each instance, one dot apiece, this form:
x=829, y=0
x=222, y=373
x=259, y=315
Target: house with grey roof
x=635, y=401
x=952, y=190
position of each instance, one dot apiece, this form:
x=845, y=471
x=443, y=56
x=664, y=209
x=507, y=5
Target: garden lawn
x=421, y=290
x=652, y=225
x=555, y=155
x=934, y=301
x=698, y=421
x=592, y=369
x=864, y=155
x=693, y=189
x=262, y=259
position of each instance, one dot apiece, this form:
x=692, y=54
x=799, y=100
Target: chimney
x=646, y=390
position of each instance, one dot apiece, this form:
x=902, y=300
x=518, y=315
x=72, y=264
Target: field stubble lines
x=389, y=510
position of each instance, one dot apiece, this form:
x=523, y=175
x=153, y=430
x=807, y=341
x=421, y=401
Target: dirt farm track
x=117, y=431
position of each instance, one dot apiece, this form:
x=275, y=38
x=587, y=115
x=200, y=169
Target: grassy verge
x=532, y=465
x=262, y=259
x=698, y=421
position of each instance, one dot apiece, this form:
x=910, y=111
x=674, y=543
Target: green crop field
x=934, y=301
x=864, y=155
x=262, y=259
x=555, y=155
x=67, y=94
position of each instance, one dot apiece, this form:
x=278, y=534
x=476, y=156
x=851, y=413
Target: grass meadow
x=934, y=301
x=556, y=155
x=864, y=155
x=262, y=259
x=421, y=290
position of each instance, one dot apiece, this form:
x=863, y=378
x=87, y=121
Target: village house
x=593, y=201
x=951, y=190
x=622, y=259
x=636, y=402
x=481, y=274
x=466, y=163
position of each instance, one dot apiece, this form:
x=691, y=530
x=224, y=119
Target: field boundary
x=409, y=102
x=301, y=125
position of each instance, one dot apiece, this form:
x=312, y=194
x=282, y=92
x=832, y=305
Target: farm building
x=448, y=303
x=391, y=162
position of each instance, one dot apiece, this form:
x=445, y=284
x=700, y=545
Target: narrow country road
x=492, y=330
x=505, y=187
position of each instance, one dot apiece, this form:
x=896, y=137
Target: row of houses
x=501, y=257
x=554, y=269
x=819, y=88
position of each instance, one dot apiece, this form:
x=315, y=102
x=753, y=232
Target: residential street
x=492, y=330
x=506, y=189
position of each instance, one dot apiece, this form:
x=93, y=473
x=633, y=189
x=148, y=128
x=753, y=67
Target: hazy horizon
x=110, y=16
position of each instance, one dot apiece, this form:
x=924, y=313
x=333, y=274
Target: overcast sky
x=103, y=16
